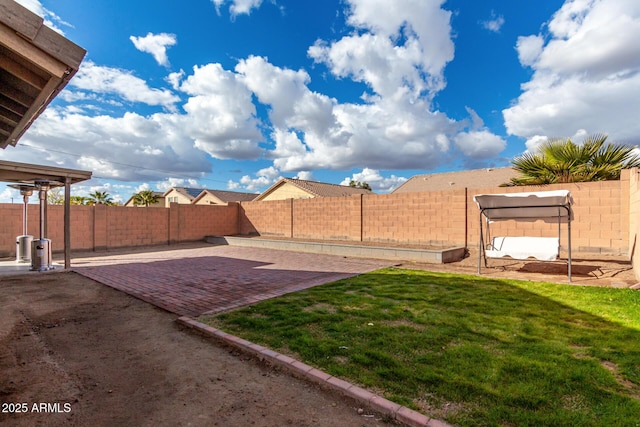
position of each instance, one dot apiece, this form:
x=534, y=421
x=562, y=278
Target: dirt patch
x=96, y=356
x=610, y=271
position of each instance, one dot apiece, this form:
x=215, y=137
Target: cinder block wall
x=127, y=227
x=268, y=218
x=194, y=222
x=108, y=227
x=606, y=220
x=328, y=218
x=434, y=218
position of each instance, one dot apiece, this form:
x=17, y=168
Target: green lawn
x=469, y=350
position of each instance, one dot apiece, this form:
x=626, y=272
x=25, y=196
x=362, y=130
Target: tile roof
x=478, y=178
x=316, y=189
x=231, y=196
x=190, y=193
x=322, y=189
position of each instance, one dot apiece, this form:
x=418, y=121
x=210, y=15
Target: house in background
x=182, y=195
x=220, y=197
x=158, y=204
x=290, y=188
x=203, y=196
x=478, y=178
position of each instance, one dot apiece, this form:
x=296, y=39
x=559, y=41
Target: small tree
x=358, y=184
x=562, y=161
x=145, y=198
x=55, y=196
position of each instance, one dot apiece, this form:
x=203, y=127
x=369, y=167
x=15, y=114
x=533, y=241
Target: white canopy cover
x=548, y=206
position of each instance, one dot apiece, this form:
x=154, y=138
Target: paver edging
x=402, y=414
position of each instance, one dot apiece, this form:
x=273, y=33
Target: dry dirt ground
x=603, y=270
x=99, y=357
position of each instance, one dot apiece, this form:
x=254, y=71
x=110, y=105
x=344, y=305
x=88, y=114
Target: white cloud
x=142, y=187
x=480, y=144
x=312, y=131
x=587, y=76
x=306, y=175
x=263, y=178
x=221, y=116
x=174, y=79
x=156, y=45
x=421, y=21
x=413, y=68
x=101, y=79
x=534, y=142
x=529, y=49
x=130, y=148
x=9, y=195
x=238, y=7
x=494, y=24
x=178, y=182
x=376, y=181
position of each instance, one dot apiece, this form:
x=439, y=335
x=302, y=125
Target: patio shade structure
x=28, y=174
x=548, y=206
x=36, y=63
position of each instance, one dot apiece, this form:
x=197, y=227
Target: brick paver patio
x=193, y=281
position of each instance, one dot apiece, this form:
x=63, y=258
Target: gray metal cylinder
x=23, y=248
x=41, y=255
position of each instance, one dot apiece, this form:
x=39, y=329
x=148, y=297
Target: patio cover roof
x=25, y=173
x=36, y=63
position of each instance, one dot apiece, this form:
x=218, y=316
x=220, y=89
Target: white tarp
x=544, y=205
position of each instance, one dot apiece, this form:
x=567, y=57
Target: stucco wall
x=634, y=220
x=287, y=191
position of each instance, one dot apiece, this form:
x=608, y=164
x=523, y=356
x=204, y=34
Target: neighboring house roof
x=315, y=189
x=225, y=196
x=190, y=193
x=478, y=178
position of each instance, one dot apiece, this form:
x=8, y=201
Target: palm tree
x=563, y=161
x=145, y=198
x=78, y=200
x=100, y=198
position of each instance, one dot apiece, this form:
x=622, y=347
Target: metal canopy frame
x=25, y=173
x=543, y=213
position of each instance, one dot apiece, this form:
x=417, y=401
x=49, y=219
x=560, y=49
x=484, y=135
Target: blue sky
x=234, y=94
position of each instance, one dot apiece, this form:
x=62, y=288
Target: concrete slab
x=10, y=267
x=430, y=256
x=211, y=279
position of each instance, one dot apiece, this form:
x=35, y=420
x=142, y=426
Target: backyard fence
x=606, y=220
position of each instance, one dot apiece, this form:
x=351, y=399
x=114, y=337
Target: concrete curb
x=376, y=403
